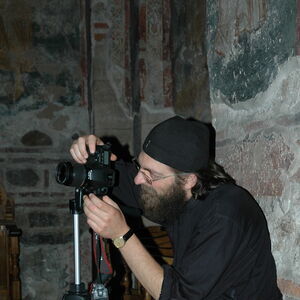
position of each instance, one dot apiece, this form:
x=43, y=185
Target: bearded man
x=220, y=238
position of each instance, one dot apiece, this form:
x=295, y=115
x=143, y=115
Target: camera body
x=95, y=176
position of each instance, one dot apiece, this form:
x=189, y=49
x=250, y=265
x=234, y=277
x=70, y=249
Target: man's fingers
x=78, y=150
x=97, y=212
x=110, y=202
x=76, y=154
x=81, y=144
x=84, y=145
x=94, y=225
x=99, y=141
x=105, y=203
x=92, y=141
x=113, y=157
x=104, y=216
x=92, y=203
x=98, y=206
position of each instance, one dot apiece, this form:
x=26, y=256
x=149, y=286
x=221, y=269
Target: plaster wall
x=171, y=62
x=114, y=111
x=41, y=108
x=255, y=114
x=253, y=88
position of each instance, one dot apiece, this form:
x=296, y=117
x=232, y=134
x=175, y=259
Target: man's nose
x=139, y=178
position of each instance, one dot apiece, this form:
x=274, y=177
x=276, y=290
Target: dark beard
x=162, y=209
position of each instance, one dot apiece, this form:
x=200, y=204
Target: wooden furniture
x=10, y=285
x=157, y=242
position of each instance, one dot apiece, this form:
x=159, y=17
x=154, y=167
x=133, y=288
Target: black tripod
x=77, y=289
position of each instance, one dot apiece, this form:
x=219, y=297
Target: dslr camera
x=95, y=176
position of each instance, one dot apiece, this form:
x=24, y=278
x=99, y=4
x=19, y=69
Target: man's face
x=162, y=200
x=165, y=207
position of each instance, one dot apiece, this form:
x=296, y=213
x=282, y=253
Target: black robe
x=221, y=244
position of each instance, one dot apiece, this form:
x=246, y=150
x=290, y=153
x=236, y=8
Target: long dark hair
x=210, y=178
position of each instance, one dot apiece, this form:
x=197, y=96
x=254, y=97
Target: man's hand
x=79, y=147
x=104, y=216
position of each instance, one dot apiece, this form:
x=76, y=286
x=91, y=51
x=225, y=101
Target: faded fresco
x=189, y=59
x=248, y=39
x=155, y=54
x=235, y=18
x=111, y=34
x=15, y=43
x=33, y=43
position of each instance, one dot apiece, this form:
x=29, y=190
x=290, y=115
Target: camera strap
x=101, y=258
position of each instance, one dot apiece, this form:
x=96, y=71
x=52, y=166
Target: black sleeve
x=125, y=192
x=206, y=260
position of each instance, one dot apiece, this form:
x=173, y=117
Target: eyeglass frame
x=148, y=178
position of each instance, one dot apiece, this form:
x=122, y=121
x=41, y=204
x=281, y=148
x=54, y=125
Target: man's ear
x=190, y=181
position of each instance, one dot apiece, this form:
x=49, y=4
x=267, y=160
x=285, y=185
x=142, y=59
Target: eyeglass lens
x=139, y=169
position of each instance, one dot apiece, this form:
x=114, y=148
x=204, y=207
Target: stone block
x=22, y=177
x=45, y=271
x=43, y=219
x=14, y=150
x=36, y=138
x=35, y=237
x=46, y=178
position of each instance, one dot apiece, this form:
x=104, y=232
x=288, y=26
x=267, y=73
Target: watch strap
x=128, y=235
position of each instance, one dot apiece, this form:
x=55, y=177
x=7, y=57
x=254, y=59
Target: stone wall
x=171, y=65
x=45, y=98
x=254, y=79
x=189, y=60
x=49, y=93
x=115, y=94
x=40, y=105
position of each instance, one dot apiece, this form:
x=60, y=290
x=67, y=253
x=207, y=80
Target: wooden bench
x=10, y=284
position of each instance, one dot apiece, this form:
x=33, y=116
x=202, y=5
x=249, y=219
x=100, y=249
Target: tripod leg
x=76, y=248
x=77, y=290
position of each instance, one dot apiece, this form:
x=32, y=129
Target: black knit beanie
x=179, y=143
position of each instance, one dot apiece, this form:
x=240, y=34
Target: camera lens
x=70, y=175
x=64, y=172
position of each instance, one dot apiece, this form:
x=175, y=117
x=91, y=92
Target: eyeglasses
x=150, y=178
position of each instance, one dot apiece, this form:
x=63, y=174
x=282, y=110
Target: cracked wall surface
x=254, y=80
x=256, y=115
x=41, y=109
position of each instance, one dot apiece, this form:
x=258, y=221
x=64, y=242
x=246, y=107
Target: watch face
x=119, y=242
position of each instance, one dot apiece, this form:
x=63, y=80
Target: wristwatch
x=120, y=241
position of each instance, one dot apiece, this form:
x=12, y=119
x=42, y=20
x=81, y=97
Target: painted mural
x=157, y=54
x=235, y=18
x=15, y=41
x=111, y=33
x=248, y=40
x=37, y=54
